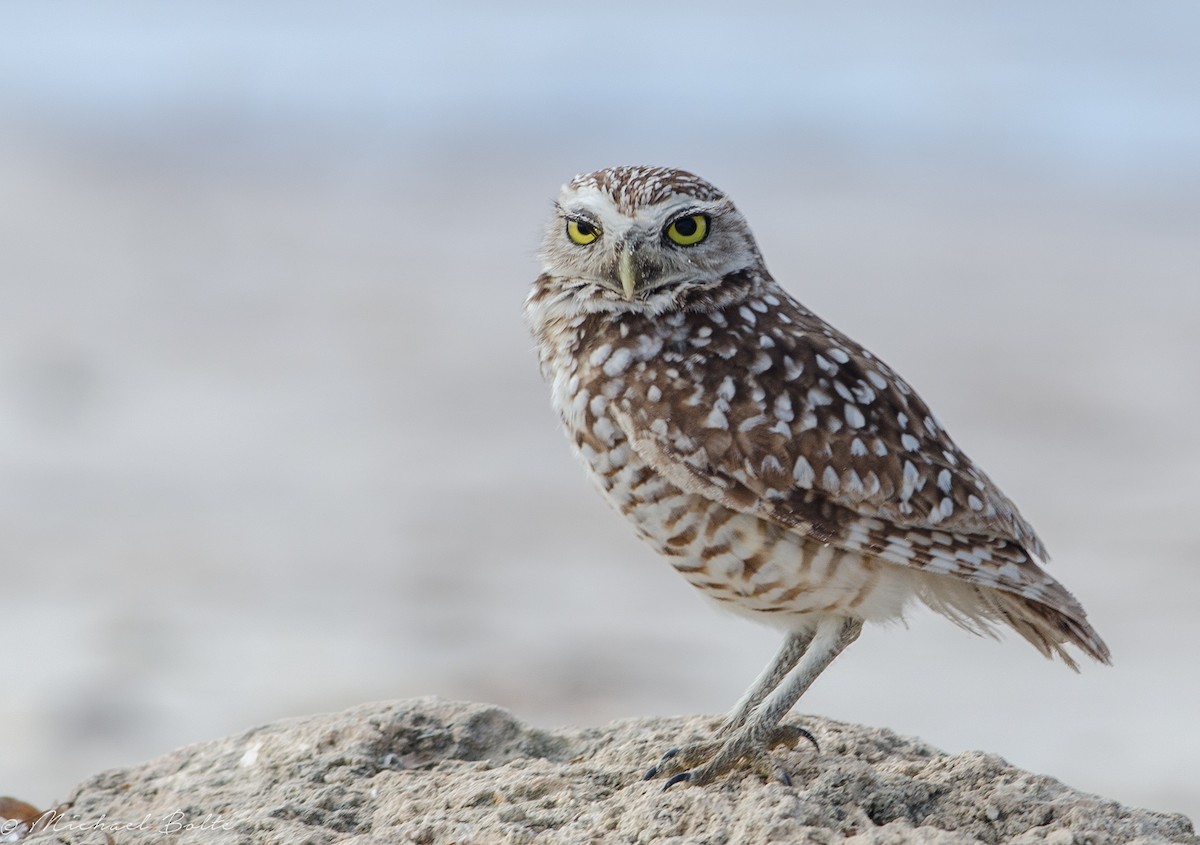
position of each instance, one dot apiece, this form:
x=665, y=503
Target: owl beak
x=626, y=271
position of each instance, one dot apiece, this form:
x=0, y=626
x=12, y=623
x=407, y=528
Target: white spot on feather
x=803, y=473
x=898, y=550
x=1010, y=572
x=818, y=397
x=852, y=484
x=941, y=565
x=829, y=479
x=727, y=389
x=600, y=354
x=618, y=361
x=910, y=478
x=716, y=419
x=863, y=393
x=604, y=429
x=854, y=417
x=761, y=363
x=579, y=403
x=783, y=407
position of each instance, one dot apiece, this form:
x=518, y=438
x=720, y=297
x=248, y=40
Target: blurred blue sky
x=1086, y=91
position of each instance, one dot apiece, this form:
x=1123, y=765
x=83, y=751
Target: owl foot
x=704, y=762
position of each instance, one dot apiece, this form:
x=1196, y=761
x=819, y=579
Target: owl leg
x=794, y=646
x=789, y=655
x=762, y=730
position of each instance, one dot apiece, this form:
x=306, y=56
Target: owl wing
x=793, y=422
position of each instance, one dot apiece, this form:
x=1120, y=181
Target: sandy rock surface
x=433, y=771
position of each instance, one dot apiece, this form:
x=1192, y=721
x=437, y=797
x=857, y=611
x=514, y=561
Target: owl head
x=644, y=239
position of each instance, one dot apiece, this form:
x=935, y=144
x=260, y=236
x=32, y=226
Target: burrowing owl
x=783, y=469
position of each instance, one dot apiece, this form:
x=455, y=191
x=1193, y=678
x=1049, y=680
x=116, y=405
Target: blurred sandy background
x=272, y=438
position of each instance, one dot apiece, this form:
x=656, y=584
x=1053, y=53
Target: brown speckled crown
x=636, y=186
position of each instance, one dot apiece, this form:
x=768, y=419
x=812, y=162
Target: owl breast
x=597, y=366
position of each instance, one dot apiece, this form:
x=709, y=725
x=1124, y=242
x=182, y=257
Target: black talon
x=654, y=770
x=790, y=735
x=810, y=738
x=682, y=777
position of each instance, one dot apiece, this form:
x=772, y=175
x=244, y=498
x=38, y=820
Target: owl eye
x=582, y=232
x=689, y=230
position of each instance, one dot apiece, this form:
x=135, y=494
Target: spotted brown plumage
x=782, y=468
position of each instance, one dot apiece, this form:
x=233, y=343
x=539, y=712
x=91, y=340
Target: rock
x=432, y=771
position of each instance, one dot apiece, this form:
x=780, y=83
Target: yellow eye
x=582, y=232
x=689, y=230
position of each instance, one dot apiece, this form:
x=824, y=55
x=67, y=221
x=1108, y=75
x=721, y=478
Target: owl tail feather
x=1047, y=627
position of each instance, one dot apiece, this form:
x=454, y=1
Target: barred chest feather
x=600, y=367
